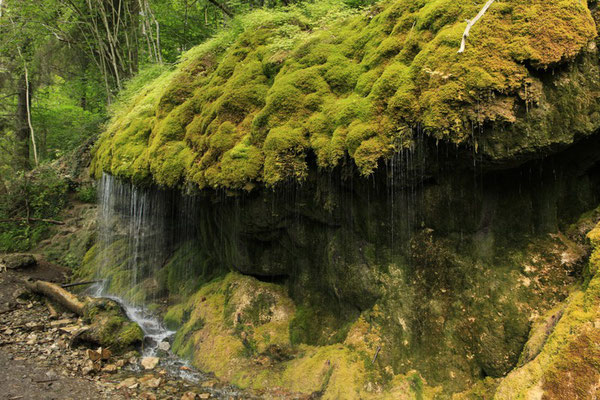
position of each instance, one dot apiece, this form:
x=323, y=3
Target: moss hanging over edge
x=249, y=106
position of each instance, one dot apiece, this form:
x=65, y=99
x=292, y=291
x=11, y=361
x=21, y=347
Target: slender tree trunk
x=222, y=7
x=28, y=109
x=22, y=131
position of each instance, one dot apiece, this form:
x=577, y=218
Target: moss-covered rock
x=423, y=287
x=251, y=106
x=566, y=363
x=239, y=328
x=110, y=327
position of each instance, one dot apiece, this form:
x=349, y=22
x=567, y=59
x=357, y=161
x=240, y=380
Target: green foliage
x=61, y=123
x=248, y=106
x=87, y=193
x=40, y=194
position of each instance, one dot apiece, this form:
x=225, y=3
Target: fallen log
x=57, y=294
x=29, y=220
x=51, y=309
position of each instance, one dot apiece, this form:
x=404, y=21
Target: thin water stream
x=156, y=335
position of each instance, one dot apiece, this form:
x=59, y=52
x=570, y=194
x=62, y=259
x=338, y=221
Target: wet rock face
x=449, y=261
x=454, y=260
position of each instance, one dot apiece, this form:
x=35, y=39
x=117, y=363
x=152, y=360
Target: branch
x=471, y=23
x=222, y=7
x=68, y=285
x=28, y=220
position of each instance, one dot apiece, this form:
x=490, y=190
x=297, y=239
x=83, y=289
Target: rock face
x=438, y=266
x=426, y=205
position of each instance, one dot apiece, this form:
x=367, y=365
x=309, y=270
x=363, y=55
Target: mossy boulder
x=110, y=327
x=239, y=328
x=253, y=107
x=18, y=261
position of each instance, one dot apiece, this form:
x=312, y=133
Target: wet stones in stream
x=28, y=336
x=42, y=358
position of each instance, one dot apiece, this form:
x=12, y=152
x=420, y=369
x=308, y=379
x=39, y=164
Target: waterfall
x=133, y=238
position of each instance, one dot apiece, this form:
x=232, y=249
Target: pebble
x=130, y=383
x=164, y=346
x=189, y=396
x=150, y=362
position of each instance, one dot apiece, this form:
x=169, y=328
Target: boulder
x=18, y=261
x=109, y=328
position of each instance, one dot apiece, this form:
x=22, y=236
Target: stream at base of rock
x=156, y=345
x=38, y=361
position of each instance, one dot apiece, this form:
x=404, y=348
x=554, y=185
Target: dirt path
x=21, y=378
x=35, y=362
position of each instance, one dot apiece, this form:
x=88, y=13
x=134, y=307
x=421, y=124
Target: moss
x=129, y=335
x=285, y=156
x=241, y=329
x=304, y=326
x=175, y=317
x=369, y=153
x=109, y=326
x=482, y=390
x=576, y=374
x=214, y=120
x=567, y=362
x=357, y=134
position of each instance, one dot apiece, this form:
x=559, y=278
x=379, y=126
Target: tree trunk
x=222, y=7
x=22, y=131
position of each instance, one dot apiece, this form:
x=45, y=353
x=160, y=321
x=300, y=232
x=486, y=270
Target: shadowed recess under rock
x=424, y=264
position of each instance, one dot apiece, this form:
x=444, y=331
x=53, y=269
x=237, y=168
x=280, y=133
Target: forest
x=65, y=67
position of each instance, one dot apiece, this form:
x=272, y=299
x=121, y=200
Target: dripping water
x=147, y=221
x=136, y=216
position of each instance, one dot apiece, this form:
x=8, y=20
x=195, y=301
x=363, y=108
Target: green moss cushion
x=247, y=107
